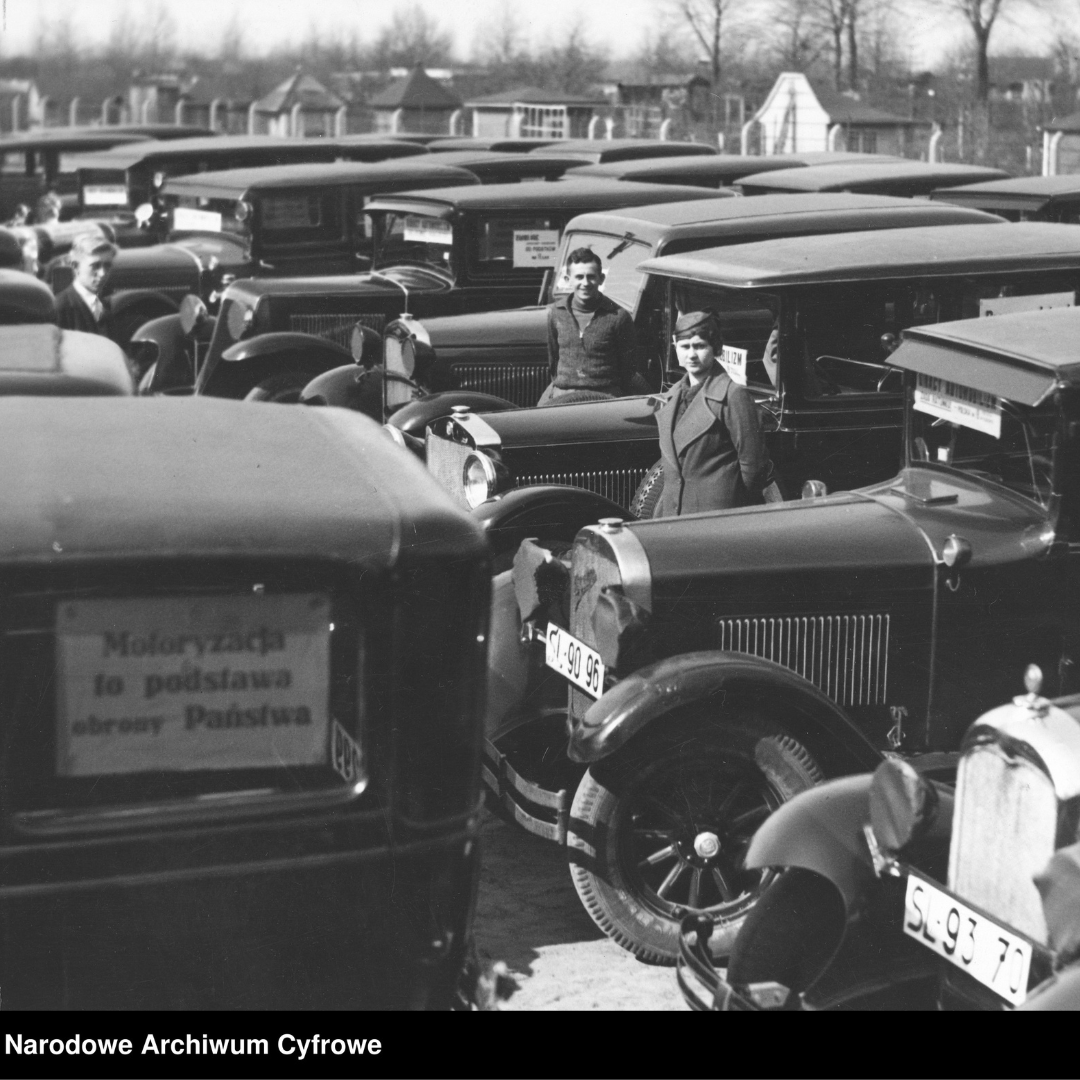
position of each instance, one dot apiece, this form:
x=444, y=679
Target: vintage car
x=40, y=359
x=598, y=151
x=504, y=167
x=889, y=178
x=276, y=220
x=840, y=303
x=505, y=353
x=227, y=784
x=716, y=170
x=898, y=891
x=1023, y=198
x=35, y=162
x=117, y=182
x=721, y=662
x=458, y=249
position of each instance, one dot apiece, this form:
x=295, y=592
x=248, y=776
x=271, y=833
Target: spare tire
x=643, y=504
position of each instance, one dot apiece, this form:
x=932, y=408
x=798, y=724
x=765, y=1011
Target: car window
x=747, y=319
x=966, y=430
x=620, y=256
x=501, y=242
x=413, y=238
x=299, y=217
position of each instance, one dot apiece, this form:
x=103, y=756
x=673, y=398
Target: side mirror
x=193, y=314
x=144, y=214
x=366, y=345
x=814, y=489
x=902, y=805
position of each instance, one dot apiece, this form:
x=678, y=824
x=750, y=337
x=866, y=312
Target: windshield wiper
x=622, y=245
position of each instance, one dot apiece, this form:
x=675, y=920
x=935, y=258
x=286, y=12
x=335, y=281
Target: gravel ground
x=529, y=916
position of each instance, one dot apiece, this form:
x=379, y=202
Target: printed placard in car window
x=958, y=404
x=734, y=361
x=185, y=217
x=180, y=684
x=1010, y=305
x=536, y=247
x=422, y=230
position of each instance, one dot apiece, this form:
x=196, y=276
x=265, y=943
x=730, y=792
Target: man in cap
x=79, y=306
x=711, y=443
x=591, y=340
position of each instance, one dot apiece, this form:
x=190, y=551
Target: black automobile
x=459, y=249
x=227, y=782
x=834, y=411
x=898, y=891
x=910, y=178
x=714, y=170
x=720, y=663
x=504, y=353
x=275, y=220
x=117, y=182
x=1023, y=198
x=35, y=162
x=598, y=151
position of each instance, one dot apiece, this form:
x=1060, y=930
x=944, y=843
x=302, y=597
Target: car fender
x=546, y=512
x=414, y=417
x=315, y=351
x=121, y=303
x=711, y=676
x=160, y=345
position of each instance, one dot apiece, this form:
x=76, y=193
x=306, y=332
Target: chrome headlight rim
x=489, y=479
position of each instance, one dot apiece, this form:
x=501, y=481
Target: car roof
x=485, y=163
x=495, y=144
x=250, y=485
x=542, y=194
x=68, y=139
x=866, y=175
x=1020, y=188
x=765, y=213
x=233, y=183
x=706, y=166
x=888, y=253
x=40, y=358
x=621, y=149
x=1020, y=357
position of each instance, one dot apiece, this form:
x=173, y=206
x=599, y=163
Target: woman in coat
x=711, y=443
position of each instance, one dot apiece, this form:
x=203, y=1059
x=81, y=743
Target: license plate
x=185, y=684
x=996, y=957
x=574, y=660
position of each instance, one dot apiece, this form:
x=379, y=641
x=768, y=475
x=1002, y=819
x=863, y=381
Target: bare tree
x=796, y=29
x=571, y=63
x=706, y=21
x=412, y=38
x=502, y=43
x=158, y=44
x=982, y=16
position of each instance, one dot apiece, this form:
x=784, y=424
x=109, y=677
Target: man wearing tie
x=79, y=306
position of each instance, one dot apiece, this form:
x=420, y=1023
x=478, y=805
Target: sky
x=620, y=24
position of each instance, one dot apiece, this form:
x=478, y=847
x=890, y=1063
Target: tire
x=790, y=934
x=284, y=388
x=643, y=504
x=639, y=823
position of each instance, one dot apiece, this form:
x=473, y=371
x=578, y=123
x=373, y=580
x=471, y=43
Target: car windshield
x=967, y=430
x=620, y=255
x=197, y=214
x=413, y=238
x=499, y=243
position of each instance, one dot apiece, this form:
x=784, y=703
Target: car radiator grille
x=336, y=327
x=446, y=462
x=592, y=569
x=618, y=485
x=844, y=656
x=520, y=383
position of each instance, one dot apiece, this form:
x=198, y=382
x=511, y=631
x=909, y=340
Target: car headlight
x=480, y=479
x=239, y=320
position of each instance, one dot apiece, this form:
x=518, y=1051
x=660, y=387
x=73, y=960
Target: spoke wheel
x=663, y=831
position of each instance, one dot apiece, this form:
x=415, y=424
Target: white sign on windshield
x=179, y=684
x=422, y=230
x=1010, y=305
x=536, y=247
x=734, y=361
x=105, y=195
x=962, y=405
x=185, y=218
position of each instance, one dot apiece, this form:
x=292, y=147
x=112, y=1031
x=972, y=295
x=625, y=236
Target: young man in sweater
x=591, y=340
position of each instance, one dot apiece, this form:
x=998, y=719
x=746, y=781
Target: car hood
x=489, y=329
x=176, y=478
x=618, y=420
x=756, y=548
x=162, y=264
